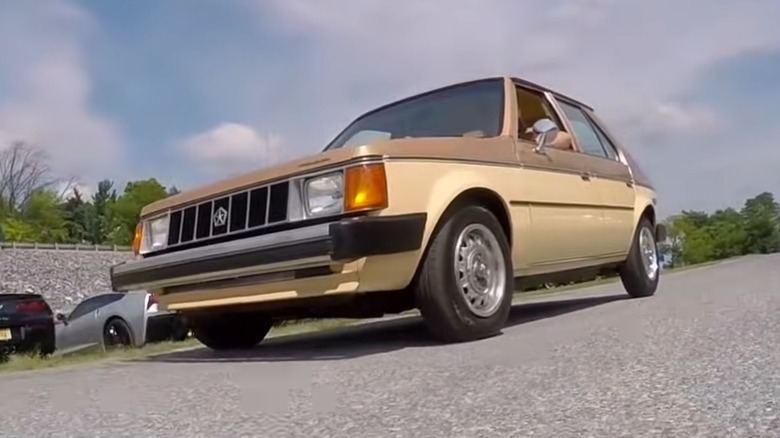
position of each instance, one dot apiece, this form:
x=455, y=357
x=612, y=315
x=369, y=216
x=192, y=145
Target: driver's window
x=532, y=106
x=83, y=308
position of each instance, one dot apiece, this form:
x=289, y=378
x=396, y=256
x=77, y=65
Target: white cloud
x=231, y=148
x=634, y=61
x=67, y=189
x=670, y=121
x=45, y=90
x=615, y=54
x=685, y=118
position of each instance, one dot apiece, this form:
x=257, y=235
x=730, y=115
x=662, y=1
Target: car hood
x=290, y=168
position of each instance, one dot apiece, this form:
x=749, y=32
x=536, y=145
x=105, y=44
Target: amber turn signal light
x=365, y=187
x=137, y=237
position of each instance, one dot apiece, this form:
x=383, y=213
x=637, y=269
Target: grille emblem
x=220, y=217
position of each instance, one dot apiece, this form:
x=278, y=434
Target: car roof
x=529, y=84
x=522, y=82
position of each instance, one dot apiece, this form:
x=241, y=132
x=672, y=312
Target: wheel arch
x=113, y=318
x=485, y=197
x=648, y=213
x=475, y=194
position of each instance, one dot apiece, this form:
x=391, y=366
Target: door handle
x=586, y=175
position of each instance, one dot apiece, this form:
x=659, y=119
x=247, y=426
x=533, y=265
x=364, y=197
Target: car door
x=82, y=327
x=563, y=203
x=611, y=178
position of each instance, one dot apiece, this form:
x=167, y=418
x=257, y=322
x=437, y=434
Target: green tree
x=24, y=169
x=17, y=230
x=76, y=213
x=126, y=210
x=761, y=214
x=42, y=212
x=696, y=237
x=697, y=245
x=727, y=230
x=99, y=219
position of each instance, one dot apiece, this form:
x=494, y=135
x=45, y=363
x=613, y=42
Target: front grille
x=235, y=213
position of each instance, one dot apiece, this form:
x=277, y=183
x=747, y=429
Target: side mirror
x=546, y=130
x=60, y=317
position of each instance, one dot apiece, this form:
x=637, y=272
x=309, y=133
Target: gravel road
x=700, y=359
x=63, y=277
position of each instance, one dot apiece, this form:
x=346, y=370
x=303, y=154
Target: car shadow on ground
x=367, y=339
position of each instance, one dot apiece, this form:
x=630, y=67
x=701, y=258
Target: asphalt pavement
x=699, y=359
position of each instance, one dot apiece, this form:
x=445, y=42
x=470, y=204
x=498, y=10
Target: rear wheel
x=117, y=333
x=179, y=330
x=641, y=270
x=231, y=331
x=47, y=347
x=464, y=291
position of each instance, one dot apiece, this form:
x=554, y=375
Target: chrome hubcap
x=480, y=271
x=649, y=252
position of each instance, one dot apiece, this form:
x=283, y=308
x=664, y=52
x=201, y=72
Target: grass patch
x=310, y=325
x=25, y=362
x=34, y=362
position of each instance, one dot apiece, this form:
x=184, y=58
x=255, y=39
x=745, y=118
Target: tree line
x=699, y=237
x=37, y=207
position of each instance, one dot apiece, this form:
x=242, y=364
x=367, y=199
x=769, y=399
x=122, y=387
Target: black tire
x=234, y=331
x=442, y=302
x=637, y=279
x=116, y=333
x=180, y=330
x=47, y=348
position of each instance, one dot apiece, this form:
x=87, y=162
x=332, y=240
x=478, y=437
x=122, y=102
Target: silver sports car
x=116, y=319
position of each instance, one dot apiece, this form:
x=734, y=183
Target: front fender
x=447, y=189
x=432, y=191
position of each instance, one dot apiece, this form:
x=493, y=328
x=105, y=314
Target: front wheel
x=231, y=331
x=641, y=270
x=464, y=290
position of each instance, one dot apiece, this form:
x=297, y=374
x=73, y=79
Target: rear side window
x=609, y=147
x=94, y=303
x=583, y=131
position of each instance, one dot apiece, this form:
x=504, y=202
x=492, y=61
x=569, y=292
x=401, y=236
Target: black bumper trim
x=347, y=239
x=377, y=235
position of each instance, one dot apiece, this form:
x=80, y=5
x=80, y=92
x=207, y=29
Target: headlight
x=325, y=194
x=158, y=233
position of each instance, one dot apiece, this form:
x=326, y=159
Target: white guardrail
x=63, y=246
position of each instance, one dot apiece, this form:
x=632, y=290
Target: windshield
x=475, y=109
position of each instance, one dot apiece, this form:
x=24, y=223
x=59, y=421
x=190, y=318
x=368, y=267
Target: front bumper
x=163, y=326
x=343, y=240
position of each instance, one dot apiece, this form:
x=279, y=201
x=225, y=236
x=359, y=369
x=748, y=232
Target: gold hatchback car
x=447, y=201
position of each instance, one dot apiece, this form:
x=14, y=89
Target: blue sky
x=193, y=91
